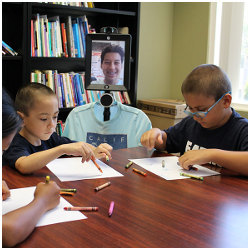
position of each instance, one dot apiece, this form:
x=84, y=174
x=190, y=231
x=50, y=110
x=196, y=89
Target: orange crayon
x=93, y=159
x=139, y=172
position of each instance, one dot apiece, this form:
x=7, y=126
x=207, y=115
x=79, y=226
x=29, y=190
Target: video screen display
x=107, y=62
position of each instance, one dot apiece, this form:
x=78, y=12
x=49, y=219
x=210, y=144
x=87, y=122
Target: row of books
x=77, y=4
x=7, y=50
x=70, y=88
x=51, y=37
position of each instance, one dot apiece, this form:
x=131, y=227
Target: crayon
x=192, y=176
x=81, y=208
x=111, y=208
x=129, y=164
x=93, y=159
x=72, y=190
x=139, y=172
x=47, y=180
x=102, y=186
x=163, y=163
x=107, y=158
x=193, y=168
x=190, y=167
x=67, y=193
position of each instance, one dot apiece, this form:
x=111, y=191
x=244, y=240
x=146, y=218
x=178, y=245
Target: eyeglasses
x=201, y=114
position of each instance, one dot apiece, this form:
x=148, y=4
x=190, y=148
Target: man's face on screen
x=111, y=67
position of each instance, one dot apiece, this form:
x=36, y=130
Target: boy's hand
x=152, y=137
x=49, y=193
x=192, y=157
x=5, y=191
x=103, y=150
x=79, y=149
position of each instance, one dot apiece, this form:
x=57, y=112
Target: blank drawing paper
x=172, y=170
x=20, y=197
x=72, y=169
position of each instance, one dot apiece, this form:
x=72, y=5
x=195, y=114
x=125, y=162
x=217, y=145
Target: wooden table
x=149, y=211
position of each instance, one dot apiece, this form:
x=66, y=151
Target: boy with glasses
x=213, y=131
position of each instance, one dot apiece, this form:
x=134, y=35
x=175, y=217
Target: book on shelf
x=51, y=37
x=8, y=50
x=75, y=4
x=64, y=39
x=70, y=88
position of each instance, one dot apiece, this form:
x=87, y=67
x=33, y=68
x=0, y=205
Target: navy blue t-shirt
x=189, y=134
x=21, y=147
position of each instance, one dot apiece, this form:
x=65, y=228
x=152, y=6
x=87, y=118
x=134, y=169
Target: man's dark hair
x=112, y=49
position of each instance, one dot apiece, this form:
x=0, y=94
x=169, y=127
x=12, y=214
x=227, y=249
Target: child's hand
x=49, y=193
x=192, y=157
x=5, y=191
x=79, y=149
x=103, y=150
x=151, y=137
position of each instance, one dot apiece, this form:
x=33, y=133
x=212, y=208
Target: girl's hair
x=11, y=121
x=207, y=79
x=26, y=96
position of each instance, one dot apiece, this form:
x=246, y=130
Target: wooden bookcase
x=16, y=31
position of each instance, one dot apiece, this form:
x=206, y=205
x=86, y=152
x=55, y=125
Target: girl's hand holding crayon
x=48, y=194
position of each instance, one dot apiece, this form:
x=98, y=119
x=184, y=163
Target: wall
x=154, y=66
x=189, y=44
x=173, y=39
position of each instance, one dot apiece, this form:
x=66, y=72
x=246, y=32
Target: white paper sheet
x=22, y=196
x=72, y=169
x=172, y=170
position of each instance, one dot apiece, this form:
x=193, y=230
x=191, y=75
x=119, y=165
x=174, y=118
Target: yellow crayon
x=47, y=179
x=192, y=176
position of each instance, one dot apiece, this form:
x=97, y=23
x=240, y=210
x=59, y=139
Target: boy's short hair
x=207, y=79
x=11, y=121
x=26, y=96
x=112, y=49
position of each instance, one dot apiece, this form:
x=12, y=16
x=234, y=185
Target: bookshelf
x=16, y=31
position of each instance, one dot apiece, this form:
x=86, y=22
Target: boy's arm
x=18, y=224
x=29, y=164
x=35, y=161
x=233, y=160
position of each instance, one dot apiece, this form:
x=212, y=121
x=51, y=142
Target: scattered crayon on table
x=192, y=176
x=73, y=190
x=129, y=164
x=139, y=172
x=111, y=208
x=81, y=208
x=163, y=164
x=102, y=186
